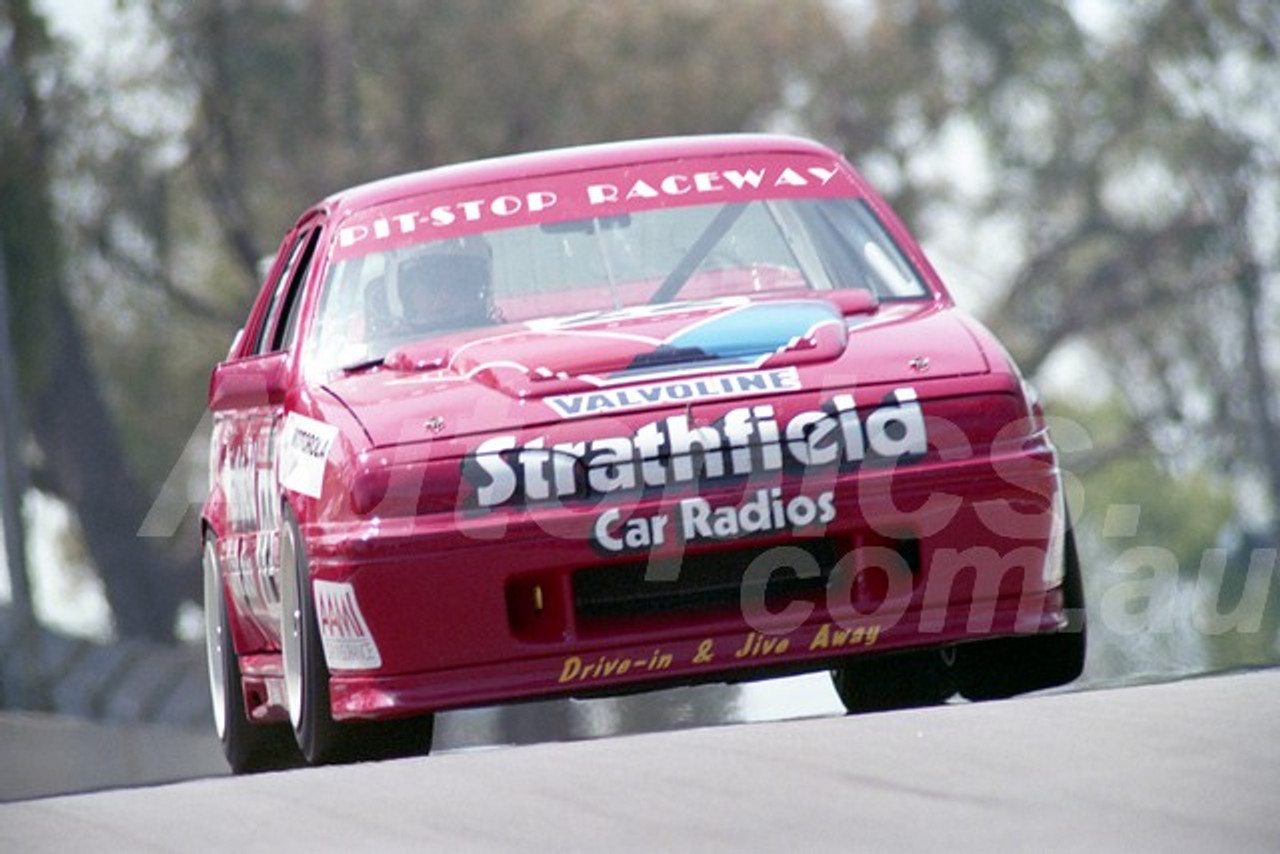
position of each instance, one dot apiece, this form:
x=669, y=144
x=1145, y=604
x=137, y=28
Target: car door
x=247, y=428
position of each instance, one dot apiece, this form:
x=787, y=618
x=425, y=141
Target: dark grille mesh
x=705, y=581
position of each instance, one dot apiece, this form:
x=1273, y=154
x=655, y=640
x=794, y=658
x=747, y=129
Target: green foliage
x=29, y=236
x=1159, y=538
x=1133, y=175
x=1185, y=513
x=1181, y=505
x=359, y=91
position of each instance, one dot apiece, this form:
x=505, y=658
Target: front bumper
x=476, y=609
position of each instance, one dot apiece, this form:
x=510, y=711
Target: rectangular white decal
x=304, y=448
x=348, y=645
x=603, y=401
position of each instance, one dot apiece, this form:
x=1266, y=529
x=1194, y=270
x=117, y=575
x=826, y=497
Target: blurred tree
x=1135, y=149
x=80, y=456
x=296, y=100
x=1164, y=537
x=13, y=469
x=1150, y=493
x=13, y=472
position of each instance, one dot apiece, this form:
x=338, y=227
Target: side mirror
x=248, y=383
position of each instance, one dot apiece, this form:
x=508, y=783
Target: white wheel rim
x=216, y=643
x=291, y=624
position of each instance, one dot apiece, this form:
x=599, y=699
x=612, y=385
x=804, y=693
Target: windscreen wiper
x=363, y=365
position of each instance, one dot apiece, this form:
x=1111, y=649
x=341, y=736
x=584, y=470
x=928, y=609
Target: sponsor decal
x=745, y=441
x=304, y=448
x=681, y=184
x=470, y=210
x=239, y=479
x=754, y=330
x=345, y=636
x=581, y=195
x=697, y=519
x=578, y=669
x=753, y=646
x=604, y=401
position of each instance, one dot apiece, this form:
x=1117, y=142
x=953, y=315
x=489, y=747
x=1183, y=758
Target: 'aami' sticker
x=304, y=448
x=348, y=645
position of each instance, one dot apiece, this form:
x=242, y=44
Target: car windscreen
x=379, y=300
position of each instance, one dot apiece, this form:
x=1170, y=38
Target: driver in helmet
x=447, y=287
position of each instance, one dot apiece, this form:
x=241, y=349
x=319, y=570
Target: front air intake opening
x=707, y=582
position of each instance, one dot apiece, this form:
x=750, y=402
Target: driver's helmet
x=448, y=285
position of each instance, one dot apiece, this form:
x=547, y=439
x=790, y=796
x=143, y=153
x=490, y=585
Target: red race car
x=610, y=417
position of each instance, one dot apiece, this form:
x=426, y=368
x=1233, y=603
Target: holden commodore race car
x=610, y=418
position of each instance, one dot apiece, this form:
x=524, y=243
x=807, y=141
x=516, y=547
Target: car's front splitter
x=737, y=654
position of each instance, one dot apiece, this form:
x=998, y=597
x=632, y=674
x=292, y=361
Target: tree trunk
x=13, y=479
x=82, y=459
x=27, y=689
x=1261, y=395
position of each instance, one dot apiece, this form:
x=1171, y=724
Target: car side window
x=280, y=319
x=260, y=335
x=287, y=326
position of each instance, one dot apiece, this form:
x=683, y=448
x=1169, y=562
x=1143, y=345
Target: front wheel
x=1005, y=667
x=903, y=680
x=321, y=739
x=249, y=747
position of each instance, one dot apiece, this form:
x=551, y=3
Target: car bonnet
x=609, y=365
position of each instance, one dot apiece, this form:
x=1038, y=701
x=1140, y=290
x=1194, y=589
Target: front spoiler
x=724, y=656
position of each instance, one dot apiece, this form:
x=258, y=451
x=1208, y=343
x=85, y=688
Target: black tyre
x=901, y=680
x=321, y=739
x=249, y=747
x=996, y=669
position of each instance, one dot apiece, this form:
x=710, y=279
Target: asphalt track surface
x=1185, y=766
